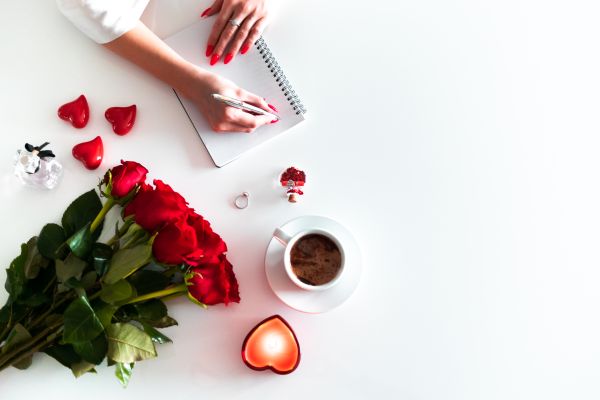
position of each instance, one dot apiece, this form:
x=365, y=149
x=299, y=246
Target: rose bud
x=124, y=178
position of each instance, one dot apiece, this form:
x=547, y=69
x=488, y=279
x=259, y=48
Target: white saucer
x=307, y=301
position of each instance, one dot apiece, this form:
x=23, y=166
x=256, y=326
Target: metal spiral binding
x=279, y=76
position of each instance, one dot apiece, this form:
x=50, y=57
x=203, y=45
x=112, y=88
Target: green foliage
x=151, y=310
x=105, y=313
x=117, y=292
x=71, y=267
x=50, y=241
x=156, y=336
x=81, y=241
x=92, y=351
x=18, y=335
x=15, y=275
x=81, y=323
x=123, y=372
x=127, y=344
x=34, y=260
x=82, y=211
x=126, y=261
x=101, y=255
x=146, y=281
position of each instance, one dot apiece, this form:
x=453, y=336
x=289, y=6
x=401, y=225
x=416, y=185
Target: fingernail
x=275, y=120
x=214, y=59
x=272, y=107
x=245, y=48
x=205, y=13
x=228, y=58
x=209, y=50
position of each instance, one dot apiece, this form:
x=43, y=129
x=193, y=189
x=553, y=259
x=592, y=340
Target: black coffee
x=315, y=259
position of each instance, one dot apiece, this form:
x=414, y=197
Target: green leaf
x=81, y=211
x=156, y=336
x=81, y=242
x=148, y=281
x=135, y=235
x=127, y=344
x=101, y=254
x=164, y=322
x=71, y=267
x=50, y=241
x=82, y=367
x=15, y=275
x=36, y=299
x=81, y=323
x=123, y=372
x=34, y=260
x=18, y=335
x=64, y=354
x=126, y=261
x=118, y=291
x=105, y=312
x=92, y=351
x=151, y=310
x=89, y=279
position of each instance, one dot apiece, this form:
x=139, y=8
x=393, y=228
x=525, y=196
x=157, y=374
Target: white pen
x=233, y=102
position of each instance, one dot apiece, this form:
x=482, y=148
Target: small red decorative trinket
x=77, y=112
x=89, y=153
x=121, y=118
x=292, y=179
x=272, y=344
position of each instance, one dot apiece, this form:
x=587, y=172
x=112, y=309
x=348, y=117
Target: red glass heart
x=272, y=344
x=77, y=112
x=121, y=118
x=90, y=153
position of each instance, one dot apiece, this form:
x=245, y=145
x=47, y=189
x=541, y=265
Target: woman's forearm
x=141, y=46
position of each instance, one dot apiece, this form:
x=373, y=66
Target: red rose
x=126, y=177
x=214, y=283
x=153, y=208
x=188, y=240
x=209, y=242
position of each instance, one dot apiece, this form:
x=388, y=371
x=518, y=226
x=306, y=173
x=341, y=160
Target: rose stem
x=105, y=209
x=181, y=288
x=6, y=359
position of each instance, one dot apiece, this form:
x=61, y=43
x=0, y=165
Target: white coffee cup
x=289, y=241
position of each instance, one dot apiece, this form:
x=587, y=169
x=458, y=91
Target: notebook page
x=250, y=72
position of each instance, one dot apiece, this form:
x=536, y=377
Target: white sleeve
x=103, y=20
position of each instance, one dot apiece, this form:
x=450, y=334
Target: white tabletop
x=458, y=141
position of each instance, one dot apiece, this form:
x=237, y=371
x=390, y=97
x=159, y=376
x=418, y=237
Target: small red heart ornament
x=90, y=153
x=77, y=112
x=121, y=118
x=272, y=344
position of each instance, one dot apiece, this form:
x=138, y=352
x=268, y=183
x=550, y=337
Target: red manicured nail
x=228, y=58
x=209, y=50
x=272, y=107
x=205, y=13
x=214, y=59
x=245, y=48
x=275, y=120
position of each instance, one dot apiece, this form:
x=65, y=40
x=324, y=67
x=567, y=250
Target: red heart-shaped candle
x=90, y=153
x=77, y=112
x=272, y=344
x=121, y=118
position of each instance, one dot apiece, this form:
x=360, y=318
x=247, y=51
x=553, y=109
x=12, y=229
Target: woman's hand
x=221, y=117
x=226, y=39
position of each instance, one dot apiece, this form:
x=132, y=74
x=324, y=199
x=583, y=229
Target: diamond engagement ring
x=235, y=23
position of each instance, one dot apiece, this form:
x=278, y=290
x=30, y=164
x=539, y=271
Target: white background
x=458, y=140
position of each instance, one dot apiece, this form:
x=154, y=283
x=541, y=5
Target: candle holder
x=272, y=344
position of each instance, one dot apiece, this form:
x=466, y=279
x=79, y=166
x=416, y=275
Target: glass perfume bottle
x=37, y=167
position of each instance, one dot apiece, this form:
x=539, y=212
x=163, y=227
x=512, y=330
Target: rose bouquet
x=81, y=301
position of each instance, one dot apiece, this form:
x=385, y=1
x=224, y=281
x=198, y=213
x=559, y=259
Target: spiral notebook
x=257, y=71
